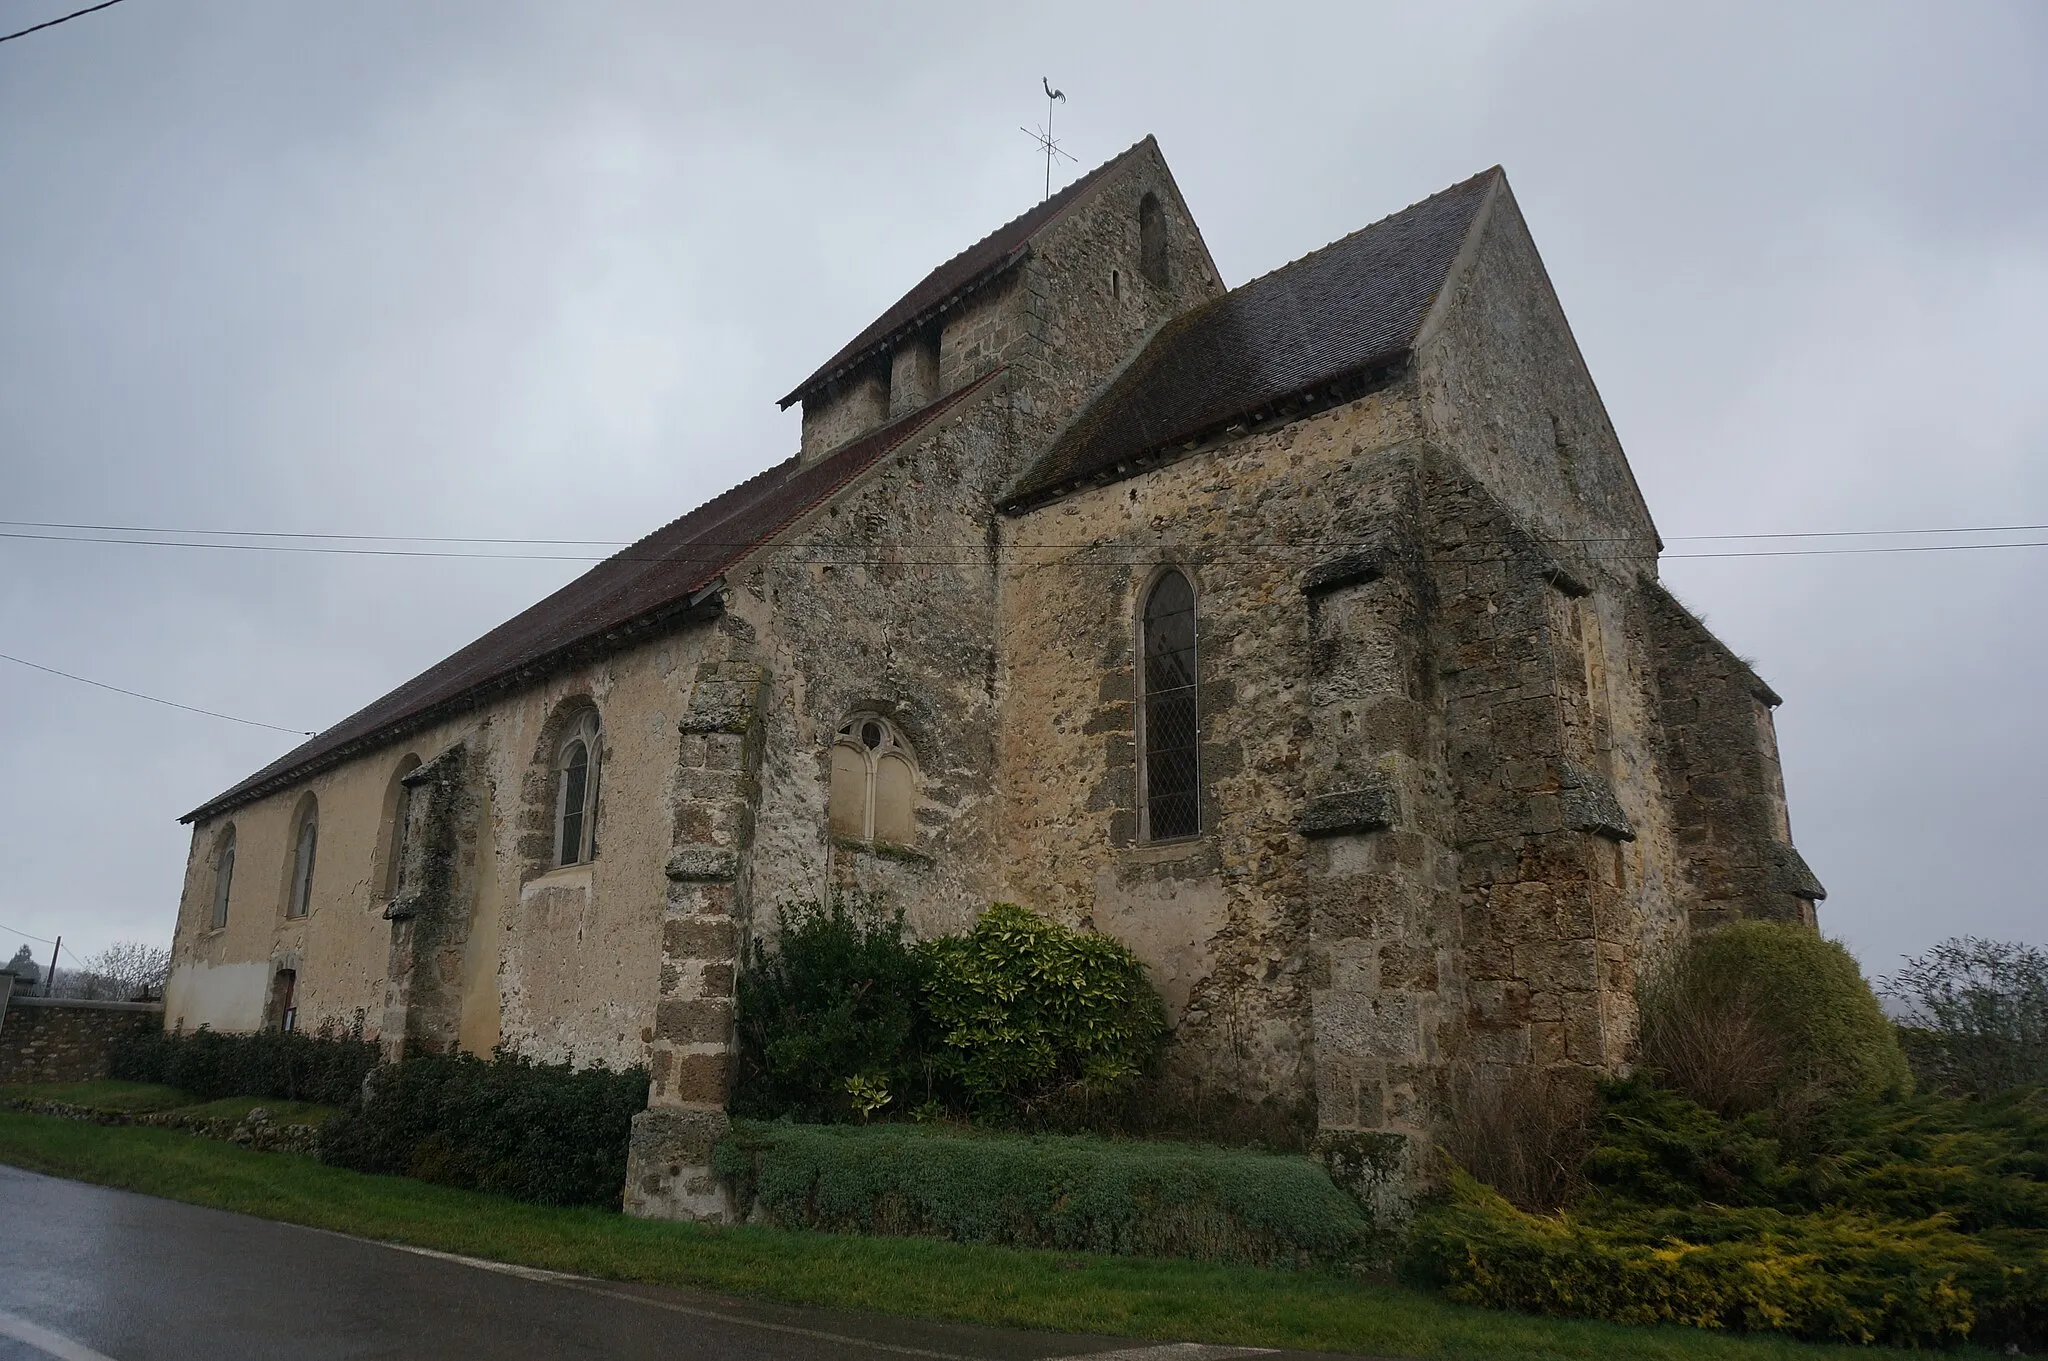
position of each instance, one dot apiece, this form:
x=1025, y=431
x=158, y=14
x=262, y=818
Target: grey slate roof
x=981, y=262
x=1350, y=307
x=638, y=588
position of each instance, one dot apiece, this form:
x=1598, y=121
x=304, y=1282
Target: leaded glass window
x=1172, y=734
x=576, y=800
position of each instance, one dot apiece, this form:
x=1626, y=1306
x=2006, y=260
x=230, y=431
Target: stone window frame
x=222, y=863
x=397, y=819
x=586, y=732
x=1140, y=743
x=889, y=744
x=301, y=859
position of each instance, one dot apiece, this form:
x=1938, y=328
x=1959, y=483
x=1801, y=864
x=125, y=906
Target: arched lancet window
x=396, y=827
x=874, y=783
x=1170, y=737
x=299, y=898
x=223, y=877
x=1152, y=240
x=576, y=763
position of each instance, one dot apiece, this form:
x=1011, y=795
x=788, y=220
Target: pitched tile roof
x=979, y=263
x=655, y=580
x=1350, y=307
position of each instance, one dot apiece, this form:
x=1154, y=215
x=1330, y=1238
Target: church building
x=1305, y=636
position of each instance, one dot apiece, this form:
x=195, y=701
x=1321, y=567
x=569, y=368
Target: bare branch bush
x=1522, y=1130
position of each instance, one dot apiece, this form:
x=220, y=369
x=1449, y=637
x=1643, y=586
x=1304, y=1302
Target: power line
x=65, y=19
x=979, y=556
x=8, y=930
x=137, y=694
x=622, y=543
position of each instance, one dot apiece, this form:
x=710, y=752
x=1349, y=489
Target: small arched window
x=223, y=877
x=1170, y=736
x=576, y=765
x=299, y=898
x=874, y=783
x=1152, y=241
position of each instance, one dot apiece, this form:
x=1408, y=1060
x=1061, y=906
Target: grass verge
x=105, y=1095
x=1315, y=1310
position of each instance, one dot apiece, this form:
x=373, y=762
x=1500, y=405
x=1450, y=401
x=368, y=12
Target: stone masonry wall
x=56, y=1039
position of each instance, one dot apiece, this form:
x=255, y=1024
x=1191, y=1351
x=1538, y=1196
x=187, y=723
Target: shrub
x=538, y=1132
x=1910, y=1221
x=286, y=1066
x=1522, y=1131
x=1759, y=1014
x=1025, y=1010
x=1979, y=1015
x=837, y=1002
x=1072, y=1193
x=1839, y=1277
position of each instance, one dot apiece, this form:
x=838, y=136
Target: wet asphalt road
x=88, y=1274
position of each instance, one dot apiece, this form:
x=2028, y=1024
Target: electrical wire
x=62, y=19
x=137, y=694
x=5, y=929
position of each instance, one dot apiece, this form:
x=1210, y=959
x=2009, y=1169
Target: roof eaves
x=825, y=377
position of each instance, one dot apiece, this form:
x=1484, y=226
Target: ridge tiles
x=653, y=579
x=1346, y=308
x=983, y=260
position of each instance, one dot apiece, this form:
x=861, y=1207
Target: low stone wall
x=58, y=1039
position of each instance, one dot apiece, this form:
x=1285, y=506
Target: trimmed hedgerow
x=539, y=1132
x=286, y=1066
x=1066, y=1192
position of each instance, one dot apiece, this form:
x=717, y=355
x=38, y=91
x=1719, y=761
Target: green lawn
x=106, y=1095
x=138, y=1097
x=1031, y=1289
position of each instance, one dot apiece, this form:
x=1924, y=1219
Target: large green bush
x=1025, y=1009
x=1018, y=1018
x=538, y=1132
x=837, y=1002
x=1767, y=1014
x=1074, y=1193
x=286, y=1066
x=1910, y=1221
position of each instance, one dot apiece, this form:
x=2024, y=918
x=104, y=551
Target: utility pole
x=50, y=983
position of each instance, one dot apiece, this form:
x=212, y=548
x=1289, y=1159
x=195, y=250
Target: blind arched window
x=223, y=878
x=299, y=900
x=1171, y=735
x=400, y=824
x=874, y=784
x=576, y=794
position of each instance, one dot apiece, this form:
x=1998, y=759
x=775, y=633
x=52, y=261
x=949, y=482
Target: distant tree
x=23, y=967
x=1976, y=1014
x=126, y=971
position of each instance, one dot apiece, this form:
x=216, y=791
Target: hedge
x=285, y=1066
x=545, y=1133
x=1073, y=1193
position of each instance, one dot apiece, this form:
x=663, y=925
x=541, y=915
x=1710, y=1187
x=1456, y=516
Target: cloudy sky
x=486, y=268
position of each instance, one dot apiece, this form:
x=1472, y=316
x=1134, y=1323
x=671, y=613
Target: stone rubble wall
x=57, y=1039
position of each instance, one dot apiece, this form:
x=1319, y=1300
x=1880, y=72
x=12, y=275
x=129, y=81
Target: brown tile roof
x=654, y=580
x=1346, y=309
x=971, y=268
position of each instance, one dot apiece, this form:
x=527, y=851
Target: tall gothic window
x=223, y=877
x=576, y=794
x=874, y=785
x=1171, y=735
x=299, y=900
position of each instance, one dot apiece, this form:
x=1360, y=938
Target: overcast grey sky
x=480, y=267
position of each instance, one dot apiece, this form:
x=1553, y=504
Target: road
x=90, y=1274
